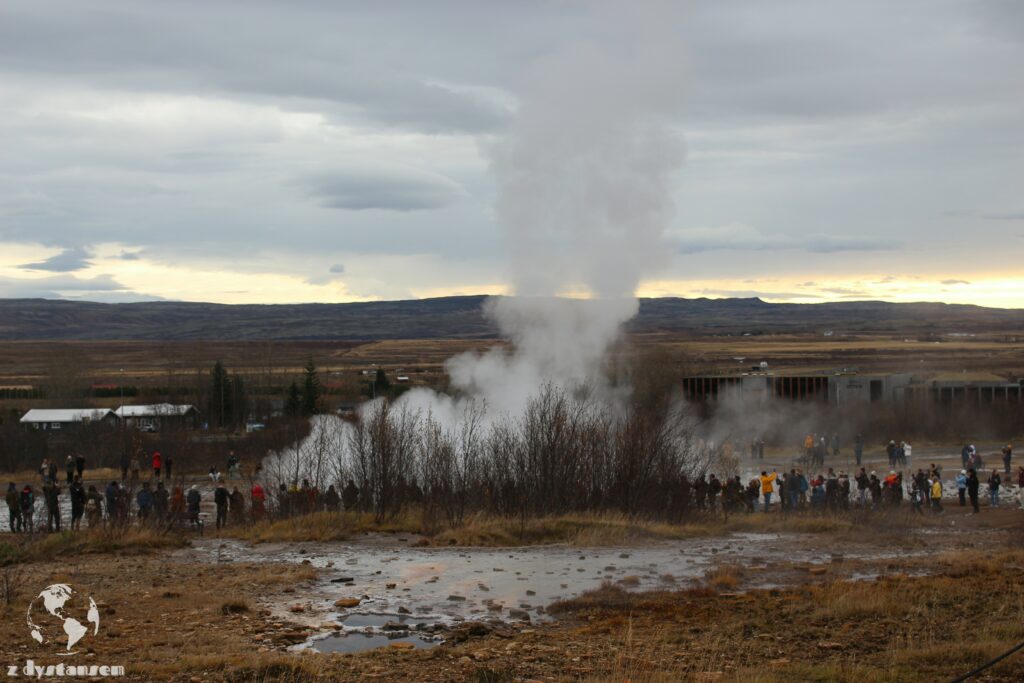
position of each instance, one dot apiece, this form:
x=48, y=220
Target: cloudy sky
x=319, y=150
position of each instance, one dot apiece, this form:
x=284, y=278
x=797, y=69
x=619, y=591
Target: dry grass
x=724, y=577
x=897, y=628
x=251, y=668
x=322, y=527
x=483, y=530
x=117, y=540
x=610, y=528
x=576, y=529
x=842, y=600
x=235, y=605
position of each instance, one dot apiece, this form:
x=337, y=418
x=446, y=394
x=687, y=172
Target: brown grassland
x=166, y=617
x=482, y=530
x=152, y=363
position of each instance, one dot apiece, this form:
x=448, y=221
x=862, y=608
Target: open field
x=953, y=598
x=168, y=363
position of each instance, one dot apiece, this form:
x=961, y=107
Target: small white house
x=57, y=419
x=149, y=418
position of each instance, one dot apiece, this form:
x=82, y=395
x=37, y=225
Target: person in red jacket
x=157, y=462
x=258, y=502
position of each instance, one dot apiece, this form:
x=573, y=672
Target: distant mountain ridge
x=461, y=317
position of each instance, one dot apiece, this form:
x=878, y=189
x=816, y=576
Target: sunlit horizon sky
x=314, y=151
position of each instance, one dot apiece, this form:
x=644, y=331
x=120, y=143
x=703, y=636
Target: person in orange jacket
x=767, y=487
x=157, y=462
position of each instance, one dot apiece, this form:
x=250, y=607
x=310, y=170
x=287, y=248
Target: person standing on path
x=51, y=496
x=111, y=496
x=93, y=507
x=157, y=462
x=994, y=482
x=1007, y=457
x=862, y=486
x=961, y=487
x=1020, y=486
x=161, y=500
x=972, y=488
x=767, y=488
x=858, y=448
x=77, y=493
x=259, y=499
x=144, y=499
x=192, y=500
x=69, y=469
x=220, y=498
x=13, y=508
x=28, y=508
x=937, y=495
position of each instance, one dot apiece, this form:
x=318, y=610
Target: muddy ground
x=890, y=599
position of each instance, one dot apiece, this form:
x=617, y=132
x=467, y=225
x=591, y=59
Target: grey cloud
x=955, y=282
x=753, y=293
x=69, y=260
x=1012, y=216
x=746, y=238
x=120, y=297
x=333, y=273
x=306, y=51
x=851, y=126
x=827, y=244
x=846, y=292
x=986, y=215
x=389, y=190
x=50, y=287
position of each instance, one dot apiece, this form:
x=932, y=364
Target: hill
x=461, y=318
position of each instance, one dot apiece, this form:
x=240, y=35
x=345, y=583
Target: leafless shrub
x=12, y=580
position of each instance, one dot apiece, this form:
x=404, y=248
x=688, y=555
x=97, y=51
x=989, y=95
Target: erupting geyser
x=584, y=178
x=584, y=199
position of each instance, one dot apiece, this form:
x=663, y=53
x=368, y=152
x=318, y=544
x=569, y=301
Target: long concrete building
x=842, y=387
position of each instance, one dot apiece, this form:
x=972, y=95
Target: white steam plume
x=585, y=198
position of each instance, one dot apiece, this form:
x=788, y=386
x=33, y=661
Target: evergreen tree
x=222, y=397
x=381, y=385
x=310, y=390
x=293, y=406
x=240, y=400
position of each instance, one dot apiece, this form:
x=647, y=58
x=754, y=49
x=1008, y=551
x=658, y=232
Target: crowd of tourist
x=158, y=501
x=837, y=491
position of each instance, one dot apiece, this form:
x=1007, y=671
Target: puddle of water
x=360, y=642
x=363, y=621
x=430, y=589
